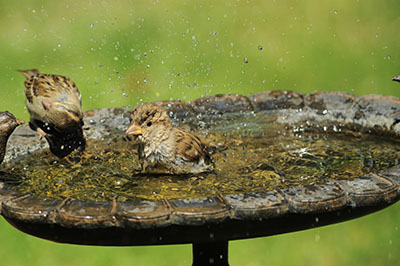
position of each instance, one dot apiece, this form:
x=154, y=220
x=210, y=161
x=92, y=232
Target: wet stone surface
x=254, y=153
x=274, y=100
x=143, y=213
x=324, y=197
x=276, y=153
x=337, y=103
x=28, y=207
x=256, y=205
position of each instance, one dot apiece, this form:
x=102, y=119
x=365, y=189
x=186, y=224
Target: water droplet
x=335, y=12
x=260, y=47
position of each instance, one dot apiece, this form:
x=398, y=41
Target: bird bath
x=284, y=162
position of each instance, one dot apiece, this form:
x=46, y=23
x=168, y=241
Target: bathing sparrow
x=165, y=148
x=54, y=105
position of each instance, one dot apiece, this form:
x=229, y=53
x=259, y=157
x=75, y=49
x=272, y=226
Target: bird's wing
x=189, y=146
x=50, y=87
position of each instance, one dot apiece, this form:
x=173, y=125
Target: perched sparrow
x=8, y=123
x=164, y=147
x=54, y=105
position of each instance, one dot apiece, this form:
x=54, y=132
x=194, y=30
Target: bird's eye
x=149, y=124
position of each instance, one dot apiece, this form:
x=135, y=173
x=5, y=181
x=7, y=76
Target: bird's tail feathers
x=29, y=73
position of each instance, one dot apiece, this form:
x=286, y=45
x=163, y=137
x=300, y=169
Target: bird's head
x=145, y=119
x=63, y=115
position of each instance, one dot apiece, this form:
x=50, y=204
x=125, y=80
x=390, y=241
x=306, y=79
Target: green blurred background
x=120, y=53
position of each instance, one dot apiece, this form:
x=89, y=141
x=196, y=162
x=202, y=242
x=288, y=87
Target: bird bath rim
x=213, y=219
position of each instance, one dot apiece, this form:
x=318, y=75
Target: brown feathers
x=29, y=73
x=53, y=99
x=54, y=105
x=189, y=146
x=164, y=147
x=8, y=123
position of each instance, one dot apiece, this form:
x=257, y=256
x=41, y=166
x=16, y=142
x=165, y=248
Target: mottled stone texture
x=218, y=218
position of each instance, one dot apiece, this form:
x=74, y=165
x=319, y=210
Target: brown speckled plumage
x=53, y=100
x=8, y=123
x=163, y=147
x=55, y=108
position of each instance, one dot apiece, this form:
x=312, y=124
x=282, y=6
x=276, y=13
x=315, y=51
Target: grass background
x=121, y=53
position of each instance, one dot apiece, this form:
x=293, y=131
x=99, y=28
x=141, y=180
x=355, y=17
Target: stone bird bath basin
x=284, y=162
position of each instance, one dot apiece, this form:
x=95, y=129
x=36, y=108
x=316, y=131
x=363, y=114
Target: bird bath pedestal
x=284, y=162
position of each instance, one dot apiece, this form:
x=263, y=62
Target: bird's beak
x=134, y=130
x=20, y=122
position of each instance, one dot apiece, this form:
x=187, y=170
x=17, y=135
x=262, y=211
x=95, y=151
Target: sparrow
x=54, y=104
x=8, y=123
x=164, y=147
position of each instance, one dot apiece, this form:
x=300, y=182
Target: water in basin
x=254, y=153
